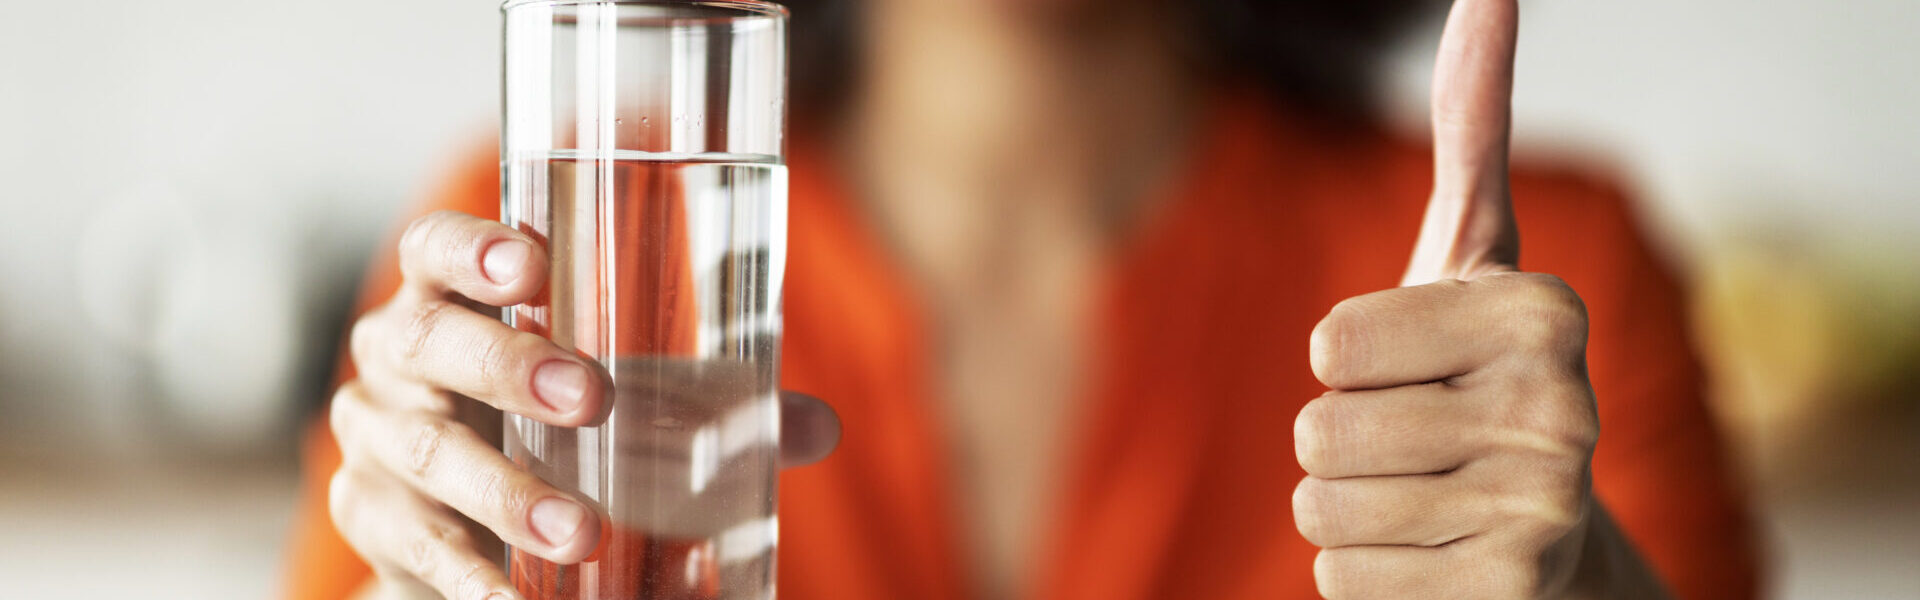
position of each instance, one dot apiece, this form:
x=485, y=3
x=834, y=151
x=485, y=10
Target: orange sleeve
x=1660, y=467
x=320, y=564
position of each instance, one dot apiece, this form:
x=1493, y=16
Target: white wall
x=1729, y=114
x=178, y=173
x=185, y=185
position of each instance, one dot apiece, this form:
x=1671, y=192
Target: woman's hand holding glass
x=415, y=479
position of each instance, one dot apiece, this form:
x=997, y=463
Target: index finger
x=478, y=258
x=1450, y=329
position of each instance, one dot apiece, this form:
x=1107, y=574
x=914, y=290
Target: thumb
x=1468, y=230
x=809, y=429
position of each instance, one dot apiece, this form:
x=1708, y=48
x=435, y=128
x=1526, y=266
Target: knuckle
x=341, y=508
x=423, y=450
x=471, y=582
x=362, y=338
x=417, y=238
x=1546, y=503
x=1552, y=521
x=422, y=323
x=1553, y=318
x=505, y=357
x=448, y=536
x=1338, y=340
x=431, y=554
x=1332, y=574
x=339, y=415
x=1309, y=514
x=423, y=232
x=1572, y=423
x=504, y=492
x=1560, y=420
x=1314, y=431
x=439, y=243
x=421, y=557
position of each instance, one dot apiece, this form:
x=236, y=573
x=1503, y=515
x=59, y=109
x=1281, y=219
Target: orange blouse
x=1183, y=470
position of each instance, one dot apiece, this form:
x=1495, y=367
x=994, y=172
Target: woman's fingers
x=397, y=530
x=446, y=346
x=1401, y=510
x=1414, y=573
x=409, y=465
x=1408, y=430
x=478, y=258
x=425, y=336
x=448, y=462
x=809, y=430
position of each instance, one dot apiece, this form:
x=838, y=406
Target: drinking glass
x=642, y=144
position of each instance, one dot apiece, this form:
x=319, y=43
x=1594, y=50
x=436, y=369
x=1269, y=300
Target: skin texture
x=1452, y=457
x=420, y=488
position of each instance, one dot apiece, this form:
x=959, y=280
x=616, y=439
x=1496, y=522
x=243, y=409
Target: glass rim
x=747, y=8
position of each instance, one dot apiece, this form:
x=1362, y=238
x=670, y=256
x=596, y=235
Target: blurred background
x=191, y=190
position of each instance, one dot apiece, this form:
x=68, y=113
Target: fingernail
x=503, y=260
x=555, y=520
x=560, y=385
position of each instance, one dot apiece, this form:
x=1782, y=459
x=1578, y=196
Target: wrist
x=1609, y=566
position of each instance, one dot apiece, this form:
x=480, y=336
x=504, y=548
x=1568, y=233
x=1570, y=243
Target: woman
x=1064, y=269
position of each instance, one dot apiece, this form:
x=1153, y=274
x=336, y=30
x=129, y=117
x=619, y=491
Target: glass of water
x=642, y=143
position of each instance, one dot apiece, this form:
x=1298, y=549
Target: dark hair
x=1315, y=53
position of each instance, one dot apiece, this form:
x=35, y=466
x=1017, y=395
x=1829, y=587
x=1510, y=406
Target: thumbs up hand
x=1451, y=459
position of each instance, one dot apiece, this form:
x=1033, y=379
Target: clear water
x=667, y=269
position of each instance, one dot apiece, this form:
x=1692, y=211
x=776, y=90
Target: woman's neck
x=1002, y=154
